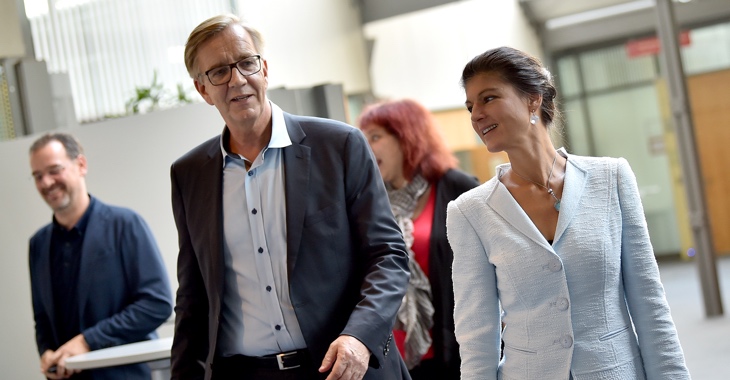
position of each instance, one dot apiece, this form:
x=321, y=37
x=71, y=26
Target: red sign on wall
x=651, y=45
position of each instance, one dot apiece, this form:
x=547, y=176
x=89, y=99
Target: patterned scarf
x=415, y=315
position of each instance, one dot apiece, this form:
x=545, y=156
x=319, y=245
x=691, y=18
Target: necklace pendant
x=557, y=206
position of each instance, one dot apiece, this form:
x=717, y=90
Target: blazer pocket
x=322, y=214
x=520, y=350
x=613, y=334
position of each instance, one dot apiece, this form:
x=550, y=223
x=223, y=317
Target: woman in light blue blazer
x=554, y=248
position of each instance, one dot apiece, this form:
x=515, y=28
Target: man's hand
x=77, y=345
x=347, y=357
x=47, y=363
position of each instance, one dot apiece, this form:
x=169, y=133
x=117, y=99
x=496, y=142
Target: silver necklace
x=547, y=184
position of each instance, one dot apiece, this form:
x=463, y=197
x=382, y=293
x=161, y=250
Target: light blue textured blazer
x=567, y=308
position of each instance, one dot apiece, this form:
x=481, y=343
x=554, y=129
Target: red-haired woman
x=420, y=174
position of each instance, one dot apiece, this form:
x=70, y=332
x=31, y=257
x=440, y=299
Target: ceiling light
x=597, y=14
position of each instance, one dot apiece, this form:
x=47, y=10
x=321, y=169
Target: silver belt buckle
x=280, y=360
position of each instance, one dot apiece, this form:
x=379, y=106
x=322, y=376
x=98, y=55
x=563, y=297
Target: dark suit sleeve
x=43, y=328
x=148, y=287
x=190, y=345
x=378, y=237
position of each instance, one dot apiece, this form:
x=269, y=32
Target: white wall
x=421, y=55
x=129, y=161
x=311, y=42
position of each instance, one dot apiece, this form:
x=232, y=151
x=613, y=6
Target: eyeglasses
x=53, y=171
x=222, y=75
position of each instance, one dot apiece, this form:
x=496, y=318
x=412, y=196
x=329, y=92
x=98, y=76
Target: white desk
x=140, y=352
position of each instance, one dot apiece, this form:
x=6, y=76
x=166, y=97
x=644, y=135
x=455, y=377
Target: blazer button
x=566, y=341
x=563, y=304
x=555, y=265
x=386, y=349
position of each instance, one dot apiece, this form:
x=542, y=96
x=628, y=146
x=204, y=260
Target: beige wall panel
x=11, y=40
x=710, y=101
x=456, y=128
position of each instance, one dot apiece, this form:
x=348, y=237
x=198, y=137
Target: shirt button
x=250, y=173
x=261, y=250
x=277, y=327
x=268, y=288
x=254, y=211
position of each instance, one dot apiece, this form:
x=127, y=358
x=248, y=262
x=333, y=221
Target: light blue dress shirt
x=257, y=314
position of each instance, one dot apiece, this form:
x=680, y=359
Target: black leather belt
x=282, y=361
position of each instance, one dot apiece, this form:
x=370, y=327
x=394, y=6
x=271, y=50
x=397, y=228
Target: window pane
x=110, y=47
x=709, y=49
x=576, y=128
x=611, y=67
x=568, y=76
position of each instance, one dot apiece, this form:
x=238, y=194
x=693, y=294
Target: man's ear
x=202, y=90
x=265, y=69
x=81, y=159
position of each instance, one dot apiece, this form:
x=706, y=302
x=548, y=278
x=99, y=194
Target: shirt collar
x=279, y=134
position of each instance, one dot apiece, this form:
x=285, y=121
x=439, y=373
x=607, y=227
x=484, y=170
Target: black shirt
x=65, y=261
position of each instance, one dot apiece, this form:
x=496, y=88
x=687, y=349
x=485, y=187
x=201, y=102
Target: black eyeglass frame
x=232, y=66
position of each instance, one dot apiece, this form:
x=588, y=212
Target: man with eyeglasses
x=97, y=276
x=291, y=265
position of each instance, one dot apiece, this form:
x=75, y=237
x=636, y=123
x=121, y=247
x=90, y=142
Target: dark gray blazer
x=346, y=259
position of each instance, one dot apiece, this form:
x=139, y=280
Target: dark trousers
x=236, y=368
x=432, y=370
x=264, y=374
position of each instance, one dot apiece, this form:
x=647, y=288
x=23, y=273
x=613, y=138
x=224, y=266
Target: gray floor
x=706, y=341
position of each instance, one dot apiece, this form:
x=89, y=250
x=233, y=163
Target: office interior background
x=80, y=66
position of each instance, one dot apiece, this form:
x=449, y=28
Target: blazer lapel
x=573, y=187
x=93, y=245
x=296, y=174
x=44, y=280
x=502, y=202
x=212, y=194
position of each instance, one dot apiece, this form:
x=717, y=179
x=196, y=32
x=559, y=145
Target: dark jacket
x=123, y=290
x=346, y=260
x=446, y=349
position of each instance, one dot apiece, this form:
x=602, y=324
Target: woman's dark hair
x=525, y=72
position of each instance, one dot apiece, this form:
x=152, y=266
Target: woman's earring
x=534, y=119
